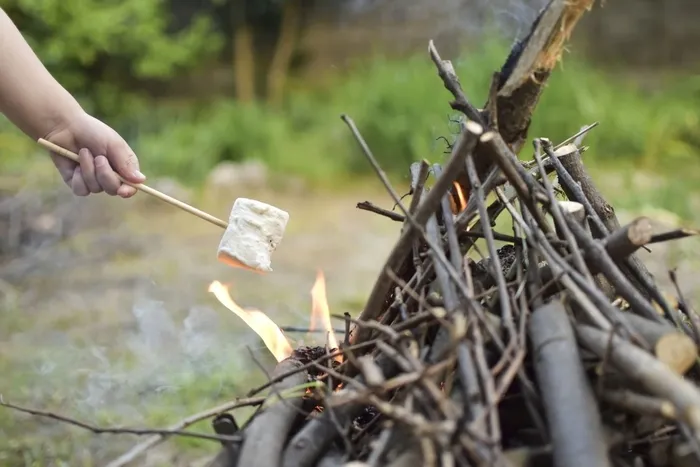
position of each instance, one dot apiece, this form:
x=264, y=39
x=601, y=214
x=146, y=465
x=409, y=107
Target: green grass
x=29, y=441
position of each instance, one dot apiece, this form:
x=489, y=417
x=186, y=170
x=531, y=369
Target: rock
x=227, y=175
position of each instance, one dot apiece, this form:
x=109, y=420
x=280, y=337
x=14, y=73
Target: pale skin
x=41, y=108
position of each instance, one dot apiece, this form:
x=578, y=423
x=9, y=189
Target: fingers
x=65, y=167
x=125, y=162
x=125, y=191
x=78, y=183
x=105, y=176
x=105, y=159
x=95, y=175
x=72, y=174
x=87, y=168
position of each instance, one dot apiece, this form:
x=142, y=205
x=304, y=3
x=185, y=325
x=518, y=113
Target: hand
x=103, y=154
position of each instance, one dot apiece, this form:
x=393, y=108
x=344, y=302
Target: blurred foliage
x=402, y=109
x=99, y=48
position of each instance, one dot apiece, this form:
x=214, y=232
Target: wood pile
x=546, y=344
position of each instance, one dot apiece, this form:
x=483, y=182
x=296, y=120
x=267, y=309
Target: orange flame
x=320, y=312
x=258, y=321
x=462, y=199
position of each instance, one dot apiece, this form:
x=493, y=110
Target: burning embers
x=269, y=332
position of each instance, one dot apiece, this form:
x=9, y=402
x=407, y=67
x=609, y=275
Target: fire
x=268, y=331
x=462, y=199
x=320, y=312
x=258, y=321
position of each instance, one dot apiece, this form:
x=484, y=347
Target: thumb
x=124, y=162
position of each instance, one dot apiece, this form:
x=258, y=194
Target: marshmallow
x=254, y=231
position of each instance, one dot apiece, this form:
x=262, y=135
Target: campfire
x=258, y=321
x=269, y=332
x=548, y=343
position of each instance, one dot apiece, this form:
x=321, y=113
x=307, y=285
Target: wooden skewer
x=141, y=187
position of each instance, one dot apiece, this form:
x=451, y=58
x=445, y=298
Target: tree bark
x=243, y=55
x=284, y=50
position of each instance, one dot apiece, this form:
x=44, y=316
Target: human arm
x=40, y=107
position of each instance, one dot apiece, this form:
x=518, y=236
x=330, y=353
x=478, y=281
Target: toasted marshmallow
x=255, y=230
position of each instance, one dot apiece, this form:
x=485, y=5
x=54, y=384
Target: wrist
x=59, y=118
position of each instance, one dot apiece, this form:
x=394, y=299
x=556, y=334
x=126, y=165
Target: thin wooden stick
x=98, y=430
x=141, y=187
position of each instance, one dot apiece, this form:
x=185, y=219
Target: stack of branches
x=550, y=344
x=558, y=348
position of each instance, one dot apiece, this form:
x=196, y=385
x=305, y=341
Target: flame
x=320, y=313
x=258, y=321
x=462, y=199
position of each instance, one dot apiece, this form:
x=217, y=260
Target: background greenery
x=115, y=51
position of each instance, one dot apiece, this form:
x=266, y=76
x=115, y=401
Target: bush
x=97, y=48
x=402, y=109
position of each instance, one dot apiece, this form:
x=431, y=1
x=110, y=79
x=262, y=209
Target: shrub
x=402, y=109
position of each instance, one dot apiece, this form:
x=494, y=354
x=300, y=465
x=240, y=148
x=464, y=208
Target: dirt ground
x=114, y=325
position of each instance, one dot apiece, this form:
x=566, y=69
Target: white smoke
x=160, y=355
x=510, y=18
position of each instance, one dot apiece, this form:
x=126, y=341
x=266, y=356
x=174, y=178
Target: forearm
x=29, y=96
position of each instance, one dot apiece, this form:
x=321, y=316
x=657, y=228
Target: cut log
x=266, y=435
x=572, y=413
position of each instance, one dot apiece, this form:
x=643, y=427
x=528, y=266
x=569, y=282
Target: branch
x=640, y=366
x=161, y=432
x=524, y=74
x=639, y=404
x=316, y=436
x=368, y=206
x=627, y=240
x=673, y=235
x=266, y=435
x=429, y=205
x=451, y=82
x=139, y=449
x=572, y=412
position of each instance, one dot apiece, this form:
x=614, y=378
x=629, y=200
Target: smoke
x=163, y=364
x=509, y=18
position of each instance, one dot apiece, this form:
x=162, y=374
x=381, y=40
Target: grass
x=129, y=391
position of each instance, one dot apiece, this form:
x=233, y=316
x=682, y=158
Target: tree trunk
x=243, y=55
x=286, y=43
